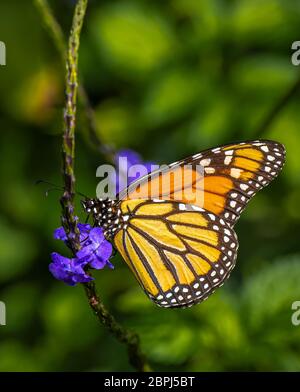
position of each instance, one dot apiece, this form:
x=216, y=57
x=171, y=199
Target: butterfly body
x=181, y=249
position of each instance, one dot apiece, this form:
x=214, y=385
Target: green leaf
x=17, y=251
x=132, y=37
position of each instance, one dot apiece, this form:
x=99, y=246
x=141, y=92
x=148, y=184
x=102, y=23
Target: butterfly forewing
x=232, y=175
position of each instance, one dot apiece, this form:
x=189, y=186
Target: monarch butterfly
x=180, y=252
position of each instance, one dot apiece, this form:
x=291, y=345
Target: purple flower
x=95, y=252
x=68, y=270
x=124, y=160
x=84, y=229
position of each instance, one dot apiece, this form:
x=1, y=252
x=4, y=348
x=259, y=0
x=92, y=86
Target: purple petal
x=60, y=260
x=85, y=253
x=61, y=268
x=60, y=234
x=84, y=227
x=82, y=278
x=97, y=264
x=97, y=252
x=68, y=270
x=150, y=166
x=132, y=157
x=110, y=265
x=104, y=251
x=96, y=236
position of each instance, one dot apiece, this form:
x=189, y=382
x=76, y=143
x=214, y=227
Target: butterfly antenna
x=55, y=187
x=82, y=194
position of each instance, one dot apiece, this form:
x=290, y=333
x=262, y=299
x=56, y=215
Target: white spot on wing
x=228, y=159
x=196, y=156
x=196, y=208
x=209, y=170
x=235, y=173
x=205, y=162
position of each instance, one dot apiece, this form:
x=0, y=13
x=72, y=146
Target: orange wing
x=232, y=175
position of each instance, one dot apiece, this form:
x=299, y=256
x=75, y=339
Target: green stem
x=280, y=104
x=125, y=336
x=129, y=338
x=52, y=26
x=68, y=145
x=58, y=39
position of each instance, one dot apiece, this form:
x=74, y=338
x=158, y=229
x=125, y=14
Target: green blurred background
x=167, y=79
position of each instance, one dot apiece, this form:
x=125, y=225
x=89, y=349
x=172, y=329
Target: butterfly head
x=103, y=212
x=88, y=205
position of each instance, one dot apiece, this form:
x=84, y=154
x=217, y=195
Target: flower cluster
x=95, y=253
x=123, y=179
x=95, y=249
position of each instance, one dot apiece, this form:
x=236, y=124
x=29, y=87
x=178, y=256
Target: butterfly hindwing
x=179, y=253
